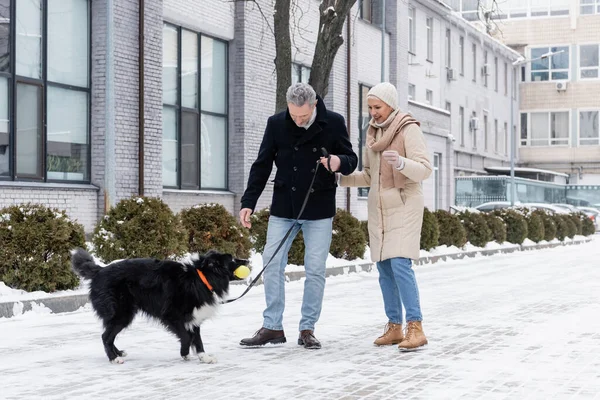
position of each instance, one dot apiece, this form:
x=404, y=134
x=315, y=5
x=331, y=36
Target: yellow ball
x=242, y=272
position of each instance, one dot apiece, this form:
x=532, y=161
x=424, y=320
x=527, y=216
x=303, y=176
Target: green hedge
x=211, y=226
x=35, y=245
x=452, y=232
x=430, y=231
x=139, y=227
x=478, y=232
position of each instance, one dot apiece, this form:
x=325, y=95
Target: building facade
x=102, y=100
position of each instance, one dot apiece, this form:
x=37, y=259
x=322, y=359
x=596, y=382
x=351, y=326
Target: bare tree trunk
x=331, y=22
x=283, y=48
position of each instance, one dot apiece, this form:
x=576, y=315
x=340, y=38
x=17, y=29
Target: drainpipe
x=141, y=119
x=348, y=94
x=109, y=112
x=383, y=41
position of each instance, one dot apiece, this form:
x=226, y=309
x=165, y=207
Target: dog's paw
x=186, y=358
x=208, y=359
x=122, y=353
x=117, y=360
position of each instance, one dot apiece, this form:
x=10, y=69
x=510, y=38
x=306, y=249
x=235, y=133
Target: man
x=293, y=140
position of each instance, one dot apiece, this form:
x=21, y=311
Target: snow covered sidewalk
x=515, y=326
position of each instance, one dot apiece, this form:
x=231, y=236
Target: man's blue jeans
x=317, y=239
x=399, y=287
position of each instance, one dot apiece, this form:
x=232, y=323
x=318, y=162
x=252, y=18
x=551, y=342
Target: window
x=485, y=132
x=194, y=110
x=412, y=30
x=474, y=133
x=506, y=79
x=461, y=45
x=496, y=73
x=411, y=91
x=429, y=97
x=506, y=140
x=366, y=10
x=589, y=62
x=496, y=137
x=437, y=181
x=485, y=71
x=300, y=73
x=543, y=8
x=448, y=49
x=551, y=68
x=470, y=10
x=588, y=128
x=474, y=55
x=448, y=107
x=363, y=123
x=45, y=85
x=461, y=118
x=545, y=129
x=590, y=6
x=429, y=24
x=524, y=119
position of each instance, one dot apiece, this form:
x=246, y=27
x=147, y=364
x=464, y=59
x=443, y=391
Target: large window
x=545, y=128
x=44, y=90
x=474, y=59
x=461, y=45
x=448, y=49
x=485, y=132
x=461, y=118
x=429, y=24
x=363, y=123
x=588, y=128
x=589, y=61
x=551, y=68
x=590, y=6
x=194, y=110
x=412, y=30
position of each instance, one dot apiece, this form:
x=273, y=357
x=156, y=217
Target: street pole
x=512, y=139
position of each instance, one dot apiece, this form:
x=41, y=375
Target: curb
x=72, y=303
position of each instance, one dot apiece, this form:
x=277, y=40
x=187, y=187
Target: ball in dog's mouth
x=242, y=272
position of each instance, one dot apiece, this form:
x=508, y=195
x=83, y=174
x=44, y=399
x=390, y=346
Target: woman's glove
x=393, y=158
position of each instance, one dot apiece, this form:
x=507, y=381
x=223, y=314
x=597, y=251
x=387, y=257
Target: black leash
x=325, y=154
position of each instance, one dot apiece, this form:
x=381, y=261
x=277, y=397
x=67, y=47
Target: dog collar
x=203, y=279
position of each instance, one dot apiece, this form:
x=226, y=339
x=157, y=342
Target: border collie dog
x=179, y=294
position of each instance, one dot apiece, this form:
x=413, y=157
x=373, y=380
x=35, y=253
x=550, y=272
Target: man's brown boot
x=264, y=336
x=308, y=340
x=392, y=334
x=415, y=338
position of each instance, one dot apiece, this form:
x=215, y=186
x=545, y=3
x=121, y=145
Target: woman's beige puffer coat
x=395, y=203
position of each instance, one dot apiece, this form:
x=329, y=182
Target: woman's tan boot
x=392, y=334
x=415, y=338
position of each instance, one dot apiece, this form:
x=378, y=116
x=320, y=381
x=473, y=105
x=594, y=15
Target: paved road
x=517, y=326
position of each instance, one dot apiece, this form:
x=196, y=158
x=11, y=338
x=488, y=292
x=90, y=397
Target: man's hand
x=392, y=157
x=335, y=163
x=245, y=214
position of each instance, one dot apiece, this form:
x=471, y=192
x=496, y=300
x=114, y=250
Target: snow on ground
x=516, y=326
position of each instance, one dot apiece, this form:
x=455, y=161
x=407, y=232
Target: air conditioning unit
x=561, y=86
x=451, y=73
x=474, y=123
x=485, y=70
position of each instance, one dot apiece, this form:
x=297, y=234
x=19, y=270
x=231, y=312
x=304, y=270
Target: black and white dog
x=181, y=295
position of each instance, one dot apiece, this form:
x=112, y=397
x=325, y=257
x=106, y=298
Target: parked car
x=594, y=215
x=496, y=205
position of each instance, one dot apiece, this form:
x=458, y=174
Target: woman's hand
x=392, y=157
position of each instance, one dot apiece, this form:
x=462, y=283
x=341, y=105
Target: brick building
x=71, y=101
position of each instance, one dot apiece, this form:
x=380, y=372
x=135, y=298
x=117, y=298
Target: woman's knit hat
x=385, y=92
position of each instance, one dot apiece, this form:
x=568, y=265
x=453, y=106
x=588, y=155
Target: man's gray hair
x=300, y=94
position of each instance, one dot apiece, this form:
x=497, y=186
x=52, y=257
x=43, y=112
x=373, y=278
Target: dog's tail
x=83, y=264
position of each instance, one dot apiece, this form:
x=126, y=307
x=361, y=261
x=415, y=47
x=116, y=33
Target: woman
x=395, y=162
